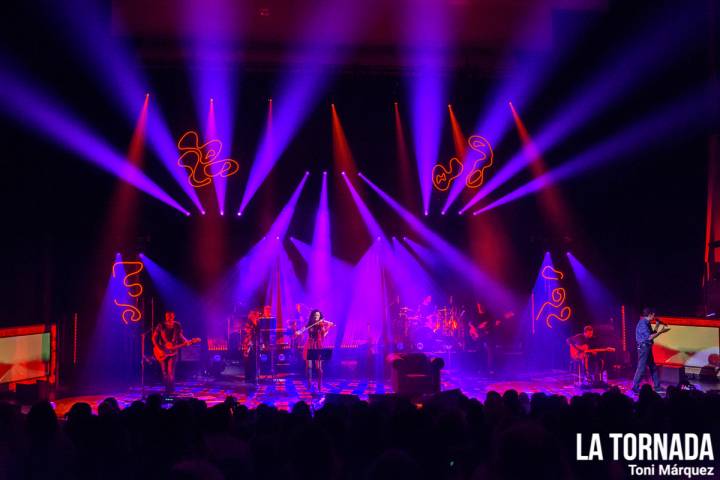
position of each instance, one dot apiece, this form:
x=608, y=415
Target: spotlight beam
x=319, y=269
x=690, y=112
x=321, y=38
x=428, y=24
x=116, y=71
x=41, y=113
x=455, y=258
x=627, y=68
x=460, y=150
x=372, y=225
x=254, y=267
x=212, y=76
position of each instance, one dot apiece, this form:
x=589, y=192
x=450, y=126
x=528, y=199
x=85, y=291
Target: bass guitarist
x=167, y=339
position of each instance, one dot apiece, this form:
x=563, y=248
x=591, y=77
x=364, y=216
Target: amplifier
x=672, y=374
x=192, y=353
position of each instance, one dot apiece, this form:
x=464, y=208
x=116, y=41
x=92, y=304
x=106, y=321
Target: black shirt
x=581, y=339
x=163, y=334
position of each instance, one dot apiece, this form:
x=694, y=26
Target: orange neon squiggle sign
x=557, y=301
x=130, y=313
x=549, y=273
x=202, y=160
x=477, y=174
x=443, y=176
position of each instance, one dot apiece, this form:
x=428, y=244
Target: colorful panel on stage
x=24, y=357
x=691, y=342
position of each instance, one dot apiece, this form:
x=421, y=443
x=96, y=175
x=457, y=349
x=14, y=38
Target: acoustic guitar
x=170, y=350
x=578, y=352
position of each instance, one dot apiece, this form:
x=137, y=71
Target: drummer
x=427, y=312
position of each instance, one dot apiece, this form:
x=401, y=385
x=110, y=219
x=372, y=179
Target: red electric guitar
x=170, y=350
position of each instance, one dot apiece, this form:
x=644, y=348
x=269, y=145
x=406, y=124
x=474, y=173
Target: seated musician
x=583, y=346
x=427, y=312
x=165, y=337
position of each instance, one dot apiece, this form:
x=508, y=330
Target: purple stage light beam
x=411, y=278
x=41, y=113
x=688, y=113
x=427, y=33
x=112, y=63
x=256, y=265
x=597, y=297
x=213, y=76
x=333, y=24
x=522, y=85
x=372, y=225
x=653, y=49
x=319, y=268
x=461, y=263
x=175, y=294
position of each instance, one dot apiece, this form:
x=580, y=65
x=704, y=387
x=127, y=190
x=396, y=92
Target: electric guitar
x=170, y=350
x=578, y=352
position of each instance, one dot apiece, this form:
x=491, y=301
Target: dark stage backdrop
x=638, y=224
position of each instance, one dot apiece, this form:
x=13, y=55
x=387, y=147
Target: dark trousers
x=168, y=372
x=645, y=359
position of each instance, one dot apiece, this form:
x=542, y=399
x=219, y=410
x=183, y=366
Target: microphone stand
x=142, y=362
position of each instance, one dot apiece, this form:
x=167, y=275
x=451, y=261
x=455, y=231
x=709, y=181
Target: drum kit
x=441, y=330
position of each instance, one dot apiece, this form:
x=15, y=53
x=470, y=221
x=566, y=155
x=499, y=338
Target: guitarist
x=166, y=336
x=481, y=334
x=645, y=335
x=583, y=347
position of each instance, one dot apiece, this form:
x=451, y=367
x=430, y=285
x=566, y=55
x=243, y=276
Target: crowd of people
x=506, y=436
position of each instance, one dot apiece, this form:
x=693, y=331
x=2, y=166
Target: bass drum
x=423, y=339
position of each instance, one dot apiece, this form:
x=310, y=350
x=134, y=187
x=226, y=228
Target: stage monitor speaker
x=29, y=393
x=672, y=375
x=193, y=353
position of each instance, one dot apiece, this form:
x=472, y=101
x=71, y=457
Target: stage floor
x=284, y=391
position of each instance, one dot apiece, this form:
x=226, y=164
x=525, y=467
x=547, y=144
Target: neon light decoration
x=130, y=313
x=443, y=177
x=202, y=160
x=485, y=161
x=549, y=273
x=556, y=306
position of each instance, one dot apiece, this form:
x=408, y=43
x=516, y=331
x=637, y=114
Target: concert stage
x=286, y=390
